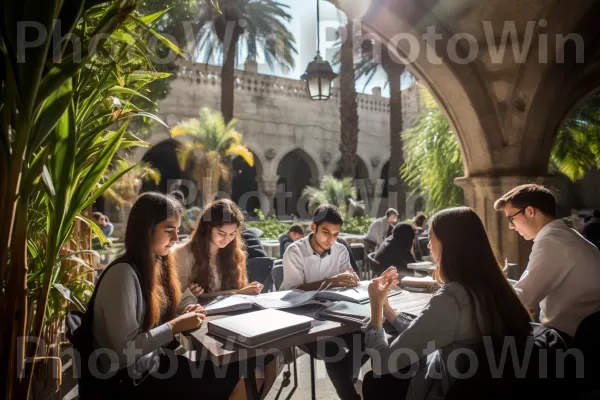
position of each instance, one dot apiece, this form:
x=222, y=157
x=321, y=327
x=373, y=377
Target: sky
x=304, y=28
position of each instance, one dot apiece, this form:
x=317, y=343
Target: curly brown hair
x=231, y=260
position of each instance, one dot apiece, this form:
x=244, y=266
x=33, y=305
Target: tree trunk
x=348, y=108
x=228, y=96
x=396, y=190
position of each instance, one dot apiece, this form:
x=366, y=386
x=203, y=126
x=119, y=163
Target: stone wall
x=276, y=117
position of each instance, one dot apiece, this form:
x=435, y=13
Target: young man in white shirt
x=563, y=273
x=316, y=261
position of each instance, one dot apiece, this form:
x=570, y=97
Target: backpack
x=80, y=334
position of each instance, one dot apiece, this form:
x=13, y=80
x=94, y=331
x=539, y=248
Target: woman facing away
x=474, y=300
x=396, y=250
x=213, y=263
x=135, y=315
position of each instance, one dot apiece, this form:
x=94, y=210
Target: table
x=426, y=267
x=220, y=351
x=271, y=247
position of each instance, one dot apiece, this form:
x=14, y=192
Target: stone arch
x=163, y=157
x=312, y=159
x=383, y=176
x=476, y=135
x=362, y=180
x=295, y=172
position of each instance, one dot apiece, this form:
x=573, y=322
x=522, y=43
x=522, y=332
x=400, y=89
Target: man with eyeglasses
x=563, y=273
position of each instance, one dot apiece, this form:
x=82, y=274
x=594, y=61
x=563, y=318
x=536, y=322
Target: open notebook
x=359, y=294
x=259, y=327
x=273, y=300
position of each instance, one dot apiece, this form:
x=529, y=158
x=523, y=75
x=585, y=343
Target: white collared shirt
x=562, y=276
x=301, y=264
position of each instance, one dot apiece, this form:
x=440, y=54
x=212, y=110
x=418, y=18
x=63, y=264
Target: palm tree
x=577, y=145
x=348, y=107
x=338, y=192
x=213, y=141
x=230, y=26
x=433, y=157
x=369, y=67
x=250, y=25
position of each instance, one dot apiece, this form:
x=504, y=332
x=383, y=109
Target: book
x=272, y=300
x=358, y=294
x=258, y=328
x=345, y=311
x=424, y=284
x=422, y=266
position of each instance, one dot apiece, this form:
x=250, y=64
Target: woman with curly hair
x=213, y=262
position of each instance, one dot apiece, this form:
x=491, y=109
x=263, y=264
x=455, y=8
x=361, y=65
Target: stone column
x=267, y=186
x=480, y=194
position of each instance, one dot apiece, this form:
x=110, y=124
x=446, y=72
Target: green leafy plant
x=338, y=192
x=357, y=225
x=64, y=116
x=433, y=157
x=577, y=145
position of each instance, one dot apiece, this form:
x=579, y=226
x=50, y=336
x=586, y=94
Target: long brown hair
x=468, y=259
x=159, y=278
x=231, y=260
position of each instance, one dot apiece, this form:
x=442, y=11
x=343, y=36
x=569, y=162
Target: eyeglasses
x=511, y=217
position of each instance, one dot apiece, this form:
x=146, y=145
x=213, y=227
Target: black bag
x=80, y=334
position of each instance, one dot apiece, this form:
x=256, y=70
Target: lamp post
x=319, y=76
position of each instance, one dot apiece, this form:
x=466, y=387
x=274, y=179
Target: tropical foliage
x=125, y=190
x=213, y=142
x=577, y=145
x=249, y=26
x=433, y=157
x=64, y=116
x=338, y=192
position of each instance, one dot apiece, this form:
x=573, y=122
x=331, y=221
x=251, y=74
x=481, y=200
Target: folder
x=257, y=328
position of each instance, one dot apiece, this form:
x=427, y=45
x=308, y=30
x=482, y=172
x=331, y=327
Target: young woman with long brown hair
x=135, y=315
x=213, y=262
x=474, y=300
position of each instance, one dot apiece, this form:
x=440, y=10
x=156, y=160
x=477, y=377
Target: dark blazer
x=253, y=244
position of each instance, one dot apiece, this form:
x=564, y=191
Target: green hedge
x=273, y=227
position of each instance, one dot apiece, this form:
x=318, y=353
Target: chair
x=259, y=270
x=531, y=382
x=371, y=273
x=277, y=273
x=586, y=340
x=358, y=252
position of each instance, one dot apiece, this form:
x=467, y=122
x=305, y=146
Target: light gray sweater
x=119, y=312
x=444, y=325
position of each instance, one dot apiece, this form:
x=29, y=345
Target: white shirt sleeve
x=546, y=270
x=293, y=269
x=344, y=260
